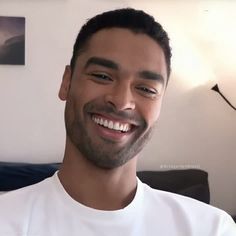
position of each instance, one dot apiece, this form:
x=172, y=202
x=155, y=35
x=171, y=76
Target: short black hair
x=135, y=20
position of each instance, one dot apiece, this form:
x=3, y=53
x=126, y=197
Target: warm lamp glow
x=189, y=65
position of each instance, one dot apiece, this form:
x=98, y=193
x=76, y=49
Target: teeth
x=116, y=126
x=106, y=123
x=111, y=125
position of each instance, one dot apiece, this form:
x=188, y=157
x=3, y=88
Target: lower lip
x=111, y=134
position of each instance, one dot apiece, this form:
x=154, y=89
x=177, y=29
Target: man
x=113, y=90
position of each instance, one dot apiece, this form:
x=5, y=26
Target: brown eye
x=103, y=77
x=150, y=92
x=147, y=90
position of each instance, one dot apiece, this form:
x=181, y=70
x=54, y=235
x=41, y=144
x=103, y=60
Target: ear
x=65, y=84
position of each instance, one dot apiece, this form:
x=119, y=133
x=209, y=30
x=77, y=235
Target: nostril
x=120, y=103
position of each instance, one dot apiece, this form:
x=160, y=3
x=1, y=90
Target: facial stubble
x=103, y=153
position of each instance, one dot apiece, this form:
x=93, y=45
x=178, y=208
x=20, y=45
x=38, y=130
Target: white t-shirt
x=45, y=209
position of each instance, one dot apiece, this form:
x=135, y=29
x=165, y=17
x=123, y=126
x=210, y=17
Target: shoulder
x=178, y=202
x=16, y=206
x=29, y=192
x=188, y=211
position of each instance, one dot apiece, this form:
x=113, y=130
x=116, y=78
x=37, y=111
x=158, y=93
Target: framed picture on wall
x=12, y=40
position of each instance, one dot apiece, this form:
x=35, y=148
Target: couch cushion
x=188, y=182
x=18, y=175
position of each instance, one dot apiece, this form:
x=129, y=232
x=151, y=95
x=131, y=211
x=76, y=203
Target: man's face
x=114, y=96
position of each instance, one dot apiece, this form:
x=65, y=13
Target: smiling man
x=114, y=93
x=113, y=90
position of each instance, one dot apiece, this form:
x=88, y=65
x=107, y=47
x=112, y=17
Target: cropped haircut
x=136, y=21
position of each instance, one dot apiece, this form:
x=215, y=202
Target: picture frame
x=12, y=40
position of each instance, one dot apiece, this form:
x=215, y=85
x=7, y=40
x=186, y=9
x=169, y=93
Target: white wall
x=196, y=129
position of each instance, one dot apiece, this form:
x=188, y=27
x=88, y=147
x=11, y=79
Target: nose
x=121, y=98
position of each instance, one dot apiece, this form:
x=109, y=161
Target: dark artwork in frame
x=12, y=40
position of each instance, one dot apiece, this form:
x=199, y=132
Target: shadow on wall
x=216, y=89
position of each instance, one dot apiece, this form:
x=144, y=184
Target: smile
x=113, y=125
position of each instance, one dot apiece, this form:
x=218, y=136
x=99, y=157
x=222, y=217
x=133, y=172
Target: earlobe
x=65, y=84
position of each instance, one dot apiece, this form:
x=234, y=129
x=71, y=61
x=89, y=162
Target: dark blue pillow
x=18, y=175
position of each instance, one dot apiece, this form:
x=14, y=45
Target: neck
x=103, y=189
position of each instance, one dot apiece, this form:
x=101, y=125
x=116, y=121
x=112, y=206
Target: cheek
x=79, y=96
x=69, y=114
x=151, y=111
x=86, y=91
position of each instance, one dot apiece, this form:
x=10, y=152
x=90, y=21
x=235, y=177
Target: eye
x=101, y=77
x=148, y=92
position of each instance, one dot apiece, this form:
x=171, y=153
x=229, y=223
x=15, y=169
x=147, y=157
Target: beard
x=104, y=153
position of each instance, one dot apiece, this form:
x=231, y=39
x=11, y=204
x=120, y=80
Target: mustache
x=109, y=109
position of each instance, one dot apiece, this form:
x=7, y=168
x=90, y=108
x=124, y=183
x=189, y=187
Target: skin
x=118, y=79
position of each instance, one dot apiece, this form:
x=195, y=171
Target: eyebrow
x=102, y=62
x=146, y=74
x=152, y=76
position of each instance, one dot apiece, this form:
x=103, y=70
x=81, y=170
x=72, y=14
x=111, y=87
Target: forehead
x=129, y=49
